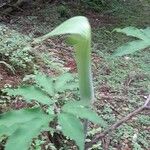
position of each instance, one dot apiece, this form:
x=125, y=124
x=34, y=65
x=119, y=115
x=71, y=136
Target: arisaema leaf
x=21, y=139
x=21, y=126
x=45, y=82
x=30, y=93
x=135, y=32
x=65, y=82
x=81, y=111
x=131, y=47
x=72, y=127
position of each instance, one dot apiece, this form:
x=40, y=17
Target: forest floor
x=121, y=84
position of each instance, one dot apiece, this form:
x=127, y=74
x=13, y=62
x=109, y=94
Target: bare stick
x=99, y=136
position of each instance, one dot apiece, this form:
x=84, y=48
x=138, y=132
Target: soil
x=8, y=78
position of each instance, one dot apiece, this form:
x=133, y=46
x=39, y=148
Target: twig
x=99, y=136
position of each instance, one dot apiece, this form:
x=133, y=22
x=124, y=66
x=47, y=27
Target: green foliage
x=143, y=137
x=68, y=118
x=53, y=85
x=145, y=120
x=80, y=38
x=17, y=125
x=24, y=135
x=137, y=138
x=108, y=114
x=136, y=146
x=12, y=48
x=72, y=127
x=53, y=63
x=30, y=93
x=45, y=82
x=126, y=131
x=78, y=109
x=131, y=47
x=69, y=121
x=44, y=88
x=119, y=71
x=65, y=82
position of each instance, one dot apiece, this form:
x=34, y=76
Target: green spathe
x=79, y=35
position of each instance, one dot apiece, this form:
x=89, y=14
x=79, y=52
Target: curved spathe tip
x=78, y=25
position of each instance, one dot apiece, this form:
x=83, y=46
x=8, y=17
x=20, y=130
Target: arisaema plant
x=23, y=125
x=78, y=33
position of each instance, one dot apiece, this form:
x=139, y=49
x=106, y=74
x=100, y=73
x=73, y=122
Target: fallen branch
x=99, y=136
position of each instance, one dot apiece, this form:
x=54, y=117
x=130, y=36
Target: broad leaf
x=130, y=47
x=135, y=32
x=45, y=82
x=21, y=139
x=65, y=82
x=20, y=116
x=6, y=131
x=72, y=127
x=147, y=32
x=30, y=93
x=79, y=110
x=22, y=126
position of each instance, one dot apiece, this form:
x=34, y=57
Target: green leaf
x=147, y=32
x=6, y=130
x=30, y=93
x=130, y=48
x=21, y=139
x=45, y=82
x=135, y=32
x=65, y=82
x=22, y=126
x=72, y=127
x=79, y=110
x=19, y=116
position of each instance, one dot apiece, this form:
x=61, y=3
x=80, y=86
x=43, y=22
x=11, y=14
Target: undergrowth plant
x=13, y=50
x=8, y=66
x=21, y=126
x=143, y=36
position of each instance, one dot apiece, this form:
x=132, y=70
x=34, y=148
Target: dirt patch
x=8, y=78
x=100, y=20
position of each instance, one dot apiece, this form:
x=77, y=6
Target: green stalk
x=79, y=35
x=83, y=60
